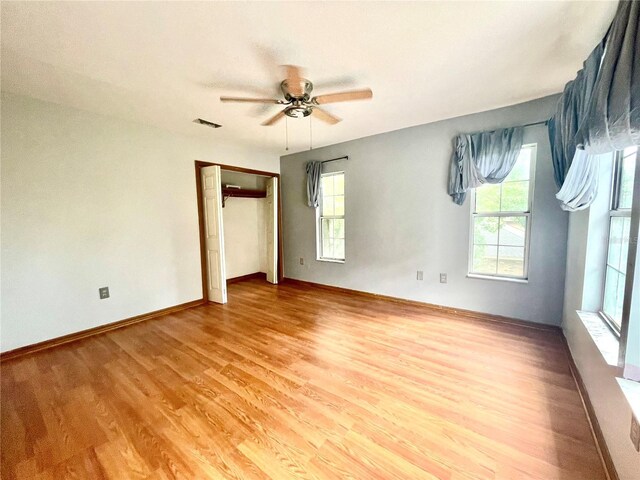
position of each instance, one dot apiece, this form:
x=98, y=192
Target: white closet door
x=214, y=233
x=272, y=230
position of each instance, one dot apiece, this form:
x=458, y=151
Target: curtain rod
x=541, y=122
x=345, y=157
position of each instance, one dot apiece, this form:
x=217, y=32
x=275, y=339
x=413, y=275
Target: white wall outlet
x=443, y=278
x=419, y=275
x=104, y=292
x=301, y=261
x=635, y=433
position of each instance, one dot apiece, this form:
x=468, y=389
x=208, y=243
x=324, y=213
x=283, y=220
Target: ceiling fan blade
x=249, y=100
x=325, y=116
x=294, y=80
x=343, y=96
x=273, y=119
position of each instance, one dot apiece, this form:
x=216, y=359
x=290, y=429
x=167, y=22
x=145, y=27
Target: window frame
x=319, y=218
x=529, y=219
x=614, y=212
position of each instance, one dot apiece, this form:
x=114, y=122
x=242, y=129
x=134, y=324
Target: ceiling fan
x=299, y=102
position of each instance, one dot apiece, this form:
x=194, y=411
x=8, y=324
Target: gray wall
x=399, y=219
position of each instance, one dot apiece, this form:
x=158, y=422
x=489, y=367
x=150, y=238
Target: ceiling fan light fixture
x=298, y=111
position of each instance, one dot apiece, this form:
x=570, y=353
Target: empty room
x=320, y=240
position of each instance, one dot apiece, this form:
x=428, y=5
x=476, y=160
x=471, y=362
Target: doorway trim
x=203, y=262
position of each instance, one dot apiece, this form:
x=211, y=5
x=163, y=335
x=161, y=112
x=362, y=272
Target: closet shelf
x=241, y=193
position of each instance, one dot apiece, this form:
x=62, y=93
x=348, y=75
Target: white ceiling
x=166, y=63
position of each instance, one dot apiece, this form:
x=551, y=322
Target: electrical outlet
x=301, y=261
x=443, y=278
x=419, y=275
x=635, y=433
x=104, y=292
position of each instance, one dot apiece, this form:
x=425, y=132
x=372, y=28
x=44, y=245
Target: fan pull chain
x=310, y=135
x=286, y=133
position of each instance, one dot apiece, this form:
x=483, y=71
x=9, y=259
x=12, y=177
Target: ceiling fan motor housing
x=305, y=85
x=299, y=107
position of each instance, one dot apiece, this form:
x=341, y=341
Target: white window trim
x=319, y=217
x=614, y=211
x=527, y=241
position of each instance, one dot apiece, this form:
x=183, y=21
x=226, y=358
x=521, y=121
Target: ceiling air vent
x=207, y=123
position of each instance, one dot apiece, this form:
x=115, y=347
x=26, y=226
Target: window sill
x=329, y=260
x=631, y=391
x=607, y=343
x=499, y=279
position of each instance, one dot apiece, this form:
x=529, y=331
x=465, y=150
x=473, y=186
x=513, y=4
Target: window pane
x=338, y=205
x=488, y=198
x=616, y=241
x=327, y=185
x=326, y=227
x=624, y=248
x=338, y=248
x=338, y=228
x=515, y=196
x=620, y=298
x=513, y=231
x=485, y=230
x=626, y=184
x=511, y=261
x=327, y=247
x=611, y=293
x=522, y=168
x=338, y=184
x=485, y=259
x=327, y=206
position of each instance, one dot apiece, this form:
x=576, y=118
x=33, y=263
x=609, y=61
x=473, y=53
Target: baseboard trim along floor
x=72, y=337
x=441, y=308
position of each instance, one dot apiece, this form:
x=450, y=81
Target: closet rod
x=346, y=157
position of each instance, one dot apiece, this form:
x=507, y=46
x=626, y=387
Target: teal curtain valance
x=485, y=157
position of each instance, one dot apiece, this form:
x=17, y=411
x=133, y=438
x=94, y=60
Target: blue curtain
x=485, y=157
x=570, y=112
x=613, y=116
x=314, y=170
x=580, y=185
x=599, y=111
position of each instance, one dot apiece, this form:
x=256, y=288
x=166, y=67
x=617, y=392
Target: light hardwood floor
x=299, y=382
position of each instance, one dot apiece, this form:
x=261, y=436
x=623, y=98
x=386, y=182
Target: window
x=501, y=222
x=619, y=228
x=331, y=217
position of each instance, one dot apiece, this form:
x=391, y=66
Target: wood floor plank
x=295, y=381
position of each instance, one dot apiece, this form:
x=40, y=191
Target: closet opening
x=240, y=223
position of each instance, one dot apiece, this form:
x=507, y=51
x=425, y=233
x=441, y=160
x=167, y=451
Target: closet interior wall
x=245, y=226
